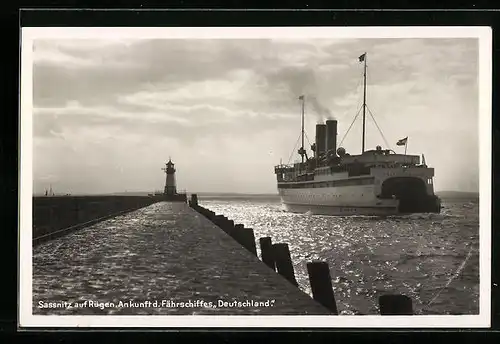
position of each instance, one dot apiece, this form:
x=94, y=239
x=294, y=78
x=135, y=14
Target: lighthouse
x=170, y=188
x=170, y=193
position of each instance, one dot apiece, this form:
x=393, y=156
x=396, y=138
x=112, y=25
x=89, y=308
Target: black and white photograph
x=262, y=177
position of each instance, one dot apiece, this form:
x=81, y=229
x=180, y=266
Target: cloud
x=113, y=110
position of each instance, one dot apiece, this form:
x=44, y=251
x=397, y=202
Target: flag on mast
x=402, y=142
x=301, y=97
x=362, y=57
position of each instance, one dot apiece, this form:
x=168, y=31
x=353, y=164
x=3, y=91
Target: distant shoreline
x=442, y=194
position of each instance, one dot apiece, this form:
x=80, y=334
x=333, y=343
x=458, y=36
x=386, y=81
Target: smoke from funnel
x=301, y=81
x=321, y=111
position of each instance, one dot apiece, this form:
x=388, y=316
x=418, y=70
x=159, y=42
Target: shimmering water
x=432, y=258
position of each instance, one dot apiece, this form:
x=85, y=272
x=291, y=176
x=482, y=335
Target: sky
x=108, y=114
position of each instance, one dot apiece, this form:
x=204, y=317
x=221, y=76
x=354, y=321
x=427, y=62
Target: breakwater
x=277, y=257
x=204, y=259
x=163, y=259
x=58, y=215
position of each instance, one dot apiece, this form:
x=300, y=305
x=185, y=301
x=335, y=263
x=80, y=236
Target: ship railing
x=283, y=166
x=284, y=169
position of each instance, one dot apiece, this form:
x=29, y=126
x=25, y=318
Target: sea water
x=432, y=258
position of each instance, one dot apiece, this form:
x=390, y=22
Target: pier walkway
x=165, y=252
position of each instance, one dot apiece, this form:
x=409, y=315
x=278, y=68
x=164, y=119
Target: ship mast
x=362, y=58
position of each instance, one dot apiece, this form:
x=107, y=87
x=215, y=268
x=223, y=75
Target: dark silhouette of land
x=442, y=194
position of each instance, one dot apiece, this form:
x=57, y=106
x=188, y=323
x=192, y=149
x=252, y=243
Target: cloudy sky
x=108, y=114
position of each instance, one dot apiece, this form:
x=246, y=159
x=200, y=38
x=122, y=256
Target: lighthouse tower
x=170, y=188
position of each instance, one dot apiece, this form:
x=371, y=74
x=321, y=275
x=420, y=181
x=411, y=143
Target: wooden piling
x=321, y=285
x=218, y=219
x=248, y=239
x=223, y=223
x=237, y=233
x=266, y=252
x=228, y=226
x=395, y=305
x=194, y=199
x=284, y=266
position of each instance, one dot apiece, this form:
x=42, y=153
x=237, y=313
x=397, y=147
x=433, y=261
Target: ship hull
x=341, y=210
x=353, y=200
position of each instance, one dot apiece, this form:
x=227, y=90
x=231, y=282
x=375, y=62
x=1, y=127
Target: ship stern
x=412, y=194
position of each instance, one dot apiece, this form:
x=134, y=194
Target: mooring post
x=266, y=252
x=228, y=226
x=237, y=233
x=224, y=223
x=248, y=238
x=321, y=285
x=395, y=305
x=194, y=199
x=283, y=261
x=218, y=220
x=211, y=215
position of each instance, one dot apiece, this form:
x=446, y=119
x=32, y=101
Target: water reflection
x=371, y=255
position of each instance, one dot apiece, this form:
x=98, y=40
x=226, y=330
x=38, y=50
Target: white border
x=27, y=319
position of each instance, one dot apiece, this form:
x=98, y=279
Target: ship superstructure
x=375, y=182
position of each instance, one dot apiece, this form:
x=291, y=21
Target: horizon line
x=210, y=193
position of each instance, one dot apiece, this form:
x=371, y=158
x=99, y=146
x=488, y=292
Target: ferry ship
x=375, y=182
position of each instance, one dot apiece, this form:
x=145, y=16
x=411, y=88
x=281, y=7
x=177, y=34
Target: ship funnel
x=320, y=139
x=331, y=135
